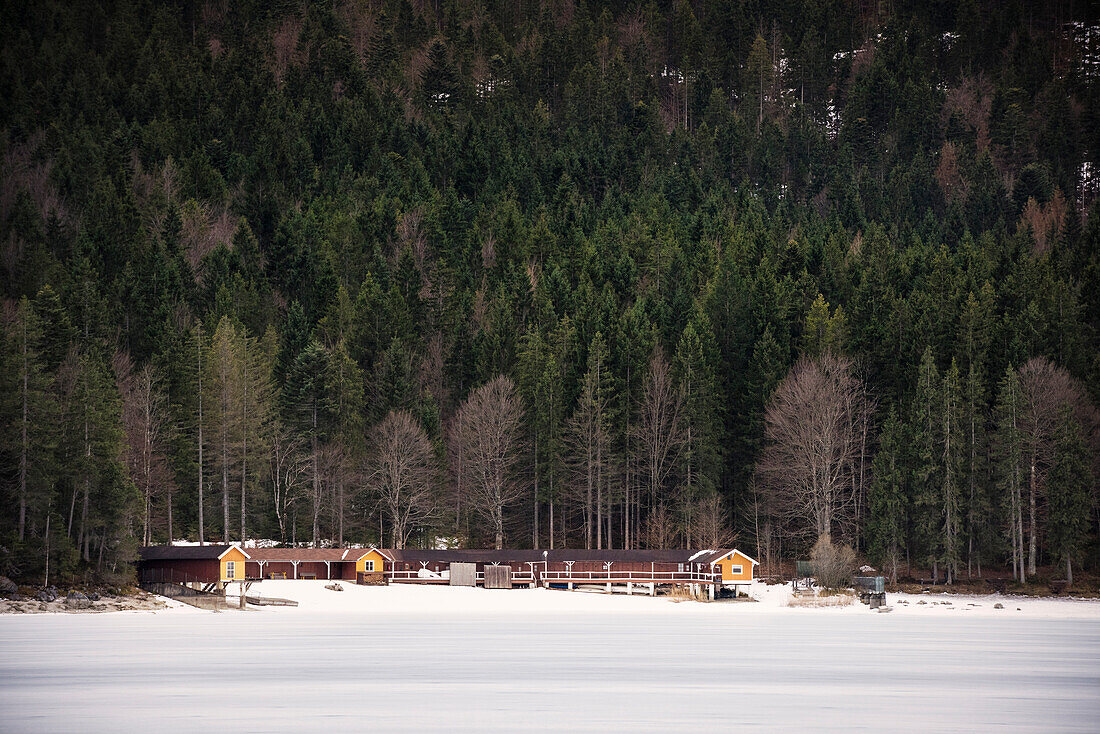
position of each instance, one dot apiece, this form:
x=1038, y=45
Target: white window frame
x=368, y=566
x=737, y=570
x=230, y=569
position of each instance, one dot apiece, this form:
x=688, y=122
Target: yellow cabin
x=232, y=564
x=371, y=561
x=737, y=568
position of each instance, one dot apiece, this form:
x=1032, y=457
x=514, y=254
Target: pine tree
x=824, y=331
x=758, y=80
x=700, y=460
x=26, y=414
x=927, y=462
x=345, y=390
x=226, y=360
x=975, y=458
x=1010, y=468
x=197, y=356
x=951, y=441
x=590, y=440
x=308, y=408
x=886, y=531
x=1068, y=500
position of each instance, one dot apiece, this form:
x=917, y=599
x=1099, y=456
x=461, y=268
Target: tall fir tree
x=926, y=413
x=1068, y=495
x=886, y=527
x=951, y=441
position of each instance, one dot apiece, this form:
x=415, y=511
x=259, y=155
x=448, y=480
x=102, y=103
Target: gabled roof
x=187, y=552
x=722, y=554
x=355, y=554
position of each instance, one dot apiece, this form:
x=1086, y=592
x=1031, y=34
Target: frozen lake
x=473, y=660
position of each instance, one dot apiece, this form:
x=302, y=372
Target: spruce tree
x=951, y=441
x=1009, y=458
x=926, y=413
x=700, y=459
x=975, y=460
x=886, y=526
x=1068, y=487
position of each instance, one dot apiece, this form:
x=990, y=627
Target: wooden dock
x=270, y=601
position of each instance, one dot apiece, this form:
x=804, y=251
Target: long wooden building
x=642, y=570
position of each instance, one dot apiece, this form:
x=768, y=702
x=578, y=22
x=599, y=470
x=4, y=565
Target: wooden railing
x=518, y=577
x=611, y=576
x=698, y=575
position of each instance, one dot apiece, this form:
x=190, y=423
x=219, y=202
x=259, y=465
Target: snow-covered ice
x=458, y=659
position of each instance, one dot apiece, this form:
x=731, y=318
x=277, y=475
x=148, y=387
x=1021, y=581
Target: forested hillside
x=551, y=274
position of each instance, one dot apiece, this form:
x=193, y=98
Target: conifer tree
x=1068, y=502
x=590, y=440
x=1010, y=469
x=886, y=532
x=26, y=411
x=926, y=413
x=700, y=459
x=950, y=439
x=225, y=415
x=308, y=409
x=975, y=459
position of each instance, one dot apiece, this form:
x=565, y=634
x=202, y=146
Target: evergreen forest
x=552, y=273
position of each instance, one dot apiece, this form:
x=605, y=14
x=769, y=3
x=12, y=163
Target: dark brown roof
x=416, y=555
x=413, y=555
x=305, y=554
x=182, y=552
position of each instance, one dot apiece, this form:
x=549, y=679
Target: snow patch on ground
x=430, y=600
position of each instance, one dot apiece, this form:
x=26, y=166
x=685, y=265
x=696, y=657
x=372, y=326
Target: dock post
x=608, y=587
x=711, y=592
x=629, y=588
x=570, y=585
x=653, y=588
x=242, y=601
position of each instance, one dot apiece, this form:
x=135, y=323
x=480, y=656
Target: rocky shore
x=41, y=600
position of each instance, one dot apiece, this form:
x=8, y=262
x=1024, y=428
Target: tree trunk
x=535, y=526
x=588, y=504
x=551, y=513
x=202, y=538
x=82, y=540
x=1033, y=526
x=225, y=469
x=171, y=530
x=244, y=457
x=24, y=443
x=340, y=512
x=316, y=479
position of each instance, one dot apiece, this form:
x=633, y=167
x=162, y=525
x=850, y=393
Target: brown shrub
x=833, y=564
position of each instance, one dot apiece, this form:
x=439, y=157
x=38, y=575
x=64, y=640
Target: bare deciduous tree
x=660, y=527
x=1044, y=388
x=145, y=426
x=290, y=463
x=588, y=439
x=487, y=428
x=712, y=522
x=659, y=432
x=401, y=473
x=812, y=427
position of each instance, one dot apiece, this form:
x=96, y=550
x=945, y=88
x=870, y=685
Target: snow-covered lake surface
x=443, y=659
